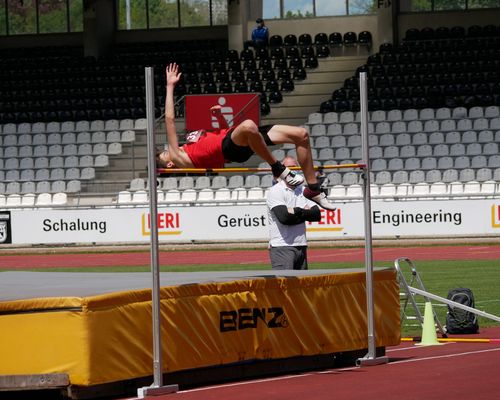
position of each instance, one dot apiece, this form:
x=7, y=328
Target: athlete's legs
x=300, y=138
x=247, y=134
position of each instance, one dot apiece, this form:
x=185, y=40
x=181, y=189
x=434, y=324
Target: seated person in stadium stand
x=260, y=35
x=237, y=144
x=288, y=210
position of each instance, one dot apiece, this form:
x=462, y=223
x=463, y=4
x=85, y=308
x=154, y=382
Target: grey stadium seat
x=169, y=183
x=202, y=182
x=484, y=174
x=219, y=182
x=417, y=176
x=410, y=114
x=395, y=164
x=490, y=148
x=400, y=176
x=251, y=181
x=443, y=113
x=429, y=163
x=379, y=164
x=424, y=150
x=467, y=175
x=485, y=136
x=235, y=181
x=412, y=163
x=403, y=139
x=419, y=138
x=432, y=176
x=394, y=115
x=441, y=150
x=450, y=175
x=453, y=137
x=462, y=162
x=407, y=151
x=350, y=178
x=448, y=125
x=383, y=177
x=386, y=139
x=427, y=114
x=478, y=161
x=445, y=162
x=436, y=138
x=186, y=182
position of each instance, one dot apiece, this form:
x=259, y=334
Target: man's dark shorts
x=234, y=153
x=288, y=257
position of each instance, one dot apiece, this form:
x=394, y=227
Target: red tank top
x=207, y=151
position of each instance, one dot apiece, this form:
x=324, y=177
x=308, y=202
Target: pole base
x=369, y=361
x=149, y=391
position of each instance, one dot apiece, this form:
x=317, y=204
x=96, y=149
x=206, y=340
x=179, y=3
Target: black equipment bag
x=458, y=320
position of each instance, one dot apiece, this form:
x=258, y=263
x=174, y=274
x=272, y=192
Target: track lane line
x=329, y=371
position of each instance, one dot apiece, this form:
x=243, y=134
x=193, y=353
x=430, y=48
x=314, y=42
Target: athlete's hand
x=172, y=74
x=216, y=110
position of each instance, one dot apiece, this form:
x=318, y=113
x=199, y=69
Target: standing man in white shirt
x=288, y=211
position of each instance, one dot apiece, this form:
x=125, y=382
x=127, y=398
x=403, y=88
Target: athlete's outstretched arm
x=172, y=78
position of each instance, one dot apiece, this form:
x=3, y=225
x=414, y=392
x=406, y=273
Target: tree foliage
x=52, y=16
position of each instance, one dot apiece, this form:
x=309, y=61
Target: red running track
x=205, y=257
x=452, y=370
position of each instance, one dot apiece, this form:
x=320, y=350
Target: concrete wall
x=98, y=26
x=50, y=39
x=172, y=34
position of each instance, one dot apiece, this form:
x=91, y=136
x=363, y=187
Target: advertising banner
x=246, y=222
x=235, y=108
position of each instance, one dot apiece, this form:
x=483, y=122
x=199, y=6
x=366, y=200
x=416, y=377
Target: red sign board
x=235, y=108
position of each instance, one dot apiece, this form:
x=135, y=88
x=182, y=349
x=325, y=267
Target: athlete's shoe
x=292, y=178
x=319, y=197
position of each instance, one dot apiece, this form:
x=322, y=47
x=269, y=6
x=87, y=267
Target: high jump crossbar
x=244, y=170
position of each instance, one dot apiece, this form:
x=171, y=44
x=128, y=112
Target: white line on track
x=467, y=353
x=410, y=348
x=332, y=370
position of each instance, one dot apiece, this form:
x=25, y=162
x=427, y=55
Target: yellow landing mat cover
x=108, y=338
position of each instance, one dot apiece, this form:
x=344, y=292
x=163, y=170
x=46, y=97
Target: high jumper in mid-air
x=212, y=149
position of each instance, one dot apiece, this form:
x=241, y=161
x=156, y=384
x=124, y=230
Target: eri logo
x=167, y=223
x=495, y=216
x=331, y=221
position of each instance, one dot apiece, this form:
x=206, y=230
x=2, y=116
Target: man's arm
x=172, y=78
x=308, y=214
x=216, y=112
x=296, y=215
x=254, y=35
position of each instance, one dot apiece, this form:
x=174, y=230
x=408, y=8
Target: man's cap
x=259, y=20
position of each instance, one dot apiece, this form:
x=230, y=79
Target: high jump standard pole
x=157, y=387
x=371, y=357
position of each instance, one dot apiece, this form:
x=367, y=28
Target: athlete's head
x=163, y=159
